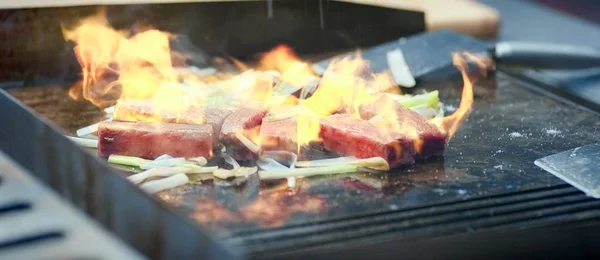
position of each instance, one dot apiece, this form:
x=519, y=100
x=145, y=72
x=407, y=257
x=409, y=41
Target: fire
x=117, y=66
x=451, y=123
x=121, y=68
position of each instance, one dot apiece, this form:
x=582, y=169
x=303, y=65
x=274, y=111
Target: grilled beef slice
x=279, y=135
x=429, y=140
x=135, y=110
x=150, y=140
x=245, y=118
x=350, y=136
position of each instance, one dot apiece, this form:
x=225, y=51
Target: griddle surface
x=491, y=154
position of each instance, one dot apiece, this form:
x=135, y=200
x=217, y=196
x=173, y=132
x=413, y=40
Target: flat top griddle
x=489, y=162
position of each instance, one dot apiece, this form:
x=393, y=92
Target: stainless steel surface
x=36, y=224
x=91, y=185
x=579, y=167
x=538, y=55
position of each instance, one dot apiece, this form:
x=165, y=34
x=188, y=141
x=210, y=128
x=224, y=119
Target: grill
x=36, y=223
x=486, y=190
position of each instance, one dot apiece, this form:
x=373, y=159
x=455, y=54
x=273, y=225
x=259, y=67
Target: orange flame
x=124, y=68
x=451, y=123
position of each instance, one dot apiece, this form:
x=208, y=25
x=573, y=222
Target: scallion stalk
x=165, y=184
x=304, y=172
x=84, y=142
x=430, y=99
x=127, y=160
x=376, y=163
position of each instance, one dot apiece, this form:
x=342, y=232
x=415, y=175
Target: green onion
x=166, y=183
x=312, y=171
x=247, y=142
x=127, y=160
x=376, y=163
x=84, y=142
x=155, y=172
x=199, y=160
x=430, y=99
x=238, y=172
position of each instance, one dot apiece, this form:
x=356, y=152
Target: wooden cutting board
x=465, y=16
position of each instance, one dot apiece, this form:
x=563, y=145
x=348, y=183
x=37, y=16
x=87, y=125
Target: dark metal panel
x=139, y=219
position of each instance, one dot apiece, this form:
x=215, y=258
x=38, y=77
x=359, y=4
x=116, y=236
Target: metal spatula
x=579, y=167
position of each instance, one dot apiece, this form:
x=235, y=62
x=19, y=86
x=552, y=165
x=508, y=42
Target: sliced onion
x=199, y=160
x=165, y=184
x=228, y=159
x=247, y=142
x=163, y=163
x=89, y=130
x=154, y=172
x=239, y=172
x=84, y=142
x=269, y=164
x=291, y=181
x=309, y=87
x=425, y=110
x=282, y=157
x=440, y=110
x=163, y=157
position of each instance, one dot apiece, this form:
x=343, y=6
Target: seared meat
x=150, y=140
x=279, y=135
x=146, y=111
x=243, y=120
x=350, y=136
x=429, y=140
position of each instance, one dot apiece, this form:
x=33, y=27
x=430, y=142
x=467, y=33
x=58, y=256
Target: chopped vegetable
x=309, y=87
x=162, y=163
x=285, y=158
x=199, y=160
x=400, y=72
x=84, y=142
x=165, y=184
x=155, y=172
x=89, y=130
x=376, y=163
x=239, y=172
x=247, y=142
x=296, y=172
x=269, y=164
x=138, y=162
x=424, y=110
x=228, y=159
x=163, y=157
x=291, y=181
x=430, y=99
x=127, y=160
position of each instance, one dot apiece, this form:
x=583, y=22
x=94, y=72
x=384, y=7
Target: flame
x=451, y=123
x=140, y=63
x=118, y=66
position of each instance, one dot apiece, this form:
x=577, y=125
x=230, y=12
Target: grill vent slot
x=36, y=224
x=14, y=206
x=30, y=239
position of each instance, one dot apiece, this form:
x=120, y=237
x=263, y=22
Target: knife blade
x=579, y=167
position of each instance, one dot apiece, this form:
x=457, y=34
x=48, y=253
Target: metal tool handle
x=545, y=56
